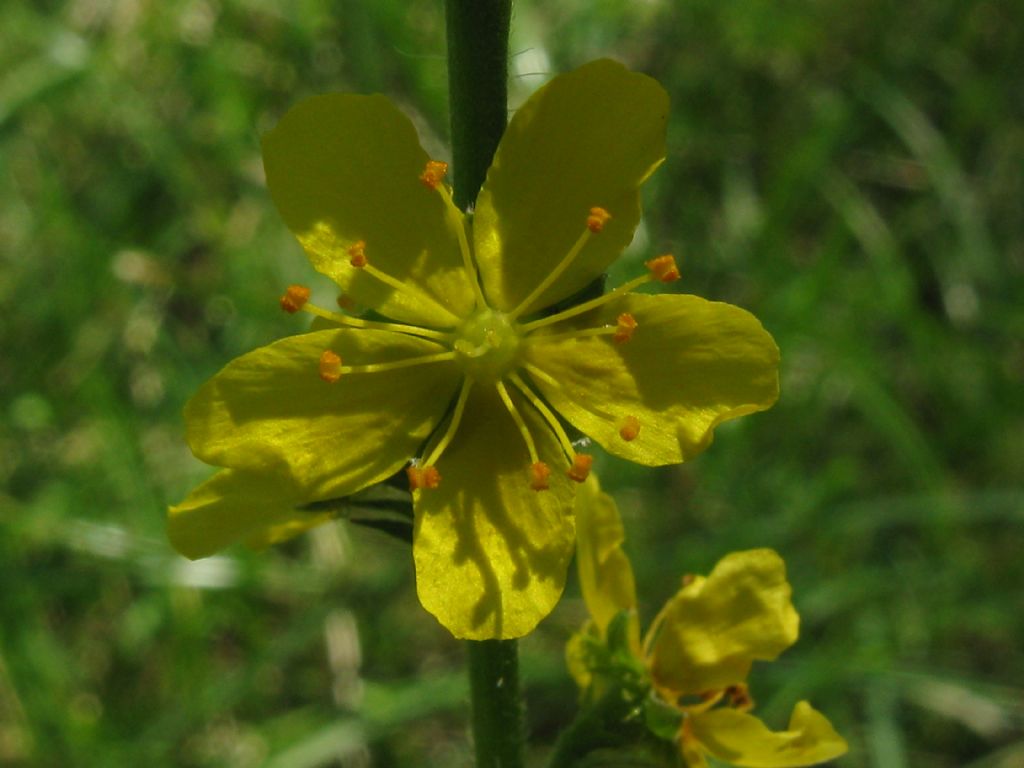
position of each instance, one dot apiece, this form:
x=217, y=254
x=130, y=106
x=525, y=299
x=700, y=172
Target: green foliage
x=850, y=172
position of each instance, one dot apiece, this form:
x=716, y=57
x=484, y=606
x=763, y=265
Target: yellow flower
x=469, y=371
x=699, y=650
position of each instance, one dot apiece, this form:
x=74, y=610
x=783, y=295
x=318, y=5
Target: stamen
x=695, y=703
x=358, y=322
x=330, y=366
x=544, y=411
x=540, y=472
x=434, y=173
x=544, y=376
x=580, y=468
x=457, y=221
x=294, y=298
x=586, y=306
x=421, y=478
x=624, y=329
x=357, y=254
x=704, y=701
x=630, y=428
x=663, y=268
x=550, y=417
x=600, y=217
x=395, y=365
x=346, y=302
x=597, y=219
x=739, y=697
x=520, y=423
x=605, y=330
x=359, y=260
x=453, y=424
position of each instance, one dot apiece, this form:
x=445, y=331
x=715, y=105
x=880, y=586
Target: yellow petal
x=588, y=138
x=742, y=739
x=690, y=365
x=343, y=168
x=693, y=755
x=709, y=634
x=233, y=506
x=606, y=576
x=491, y=554
x=286, y=528
x=269, y=410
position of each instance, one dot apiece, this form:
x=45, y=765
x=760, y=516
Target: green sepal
x=382, y=507
x=619, y=634
x=662, y=719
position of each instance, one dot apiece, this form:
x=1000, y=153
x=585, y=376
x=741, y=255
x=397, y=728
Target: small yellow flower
x=699, y=650
x=467, y=375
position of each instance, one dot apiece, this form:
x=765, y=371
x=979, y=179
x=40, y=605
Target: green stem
x=478, y=92
x=477, y=87
x=497, y=707
x=593, y=728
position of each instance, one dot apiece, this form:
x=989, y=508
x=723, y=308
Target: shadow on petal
x=270, y=407
x=491, y=554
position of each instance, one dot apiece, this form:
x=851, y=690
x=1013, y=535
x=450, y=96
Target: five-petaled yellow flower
x=700, y=648
x=467, y=380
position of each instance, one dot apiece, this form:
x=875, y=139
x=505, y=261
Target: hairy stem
x=477, y=87
x=478, y=90
x=497, y=706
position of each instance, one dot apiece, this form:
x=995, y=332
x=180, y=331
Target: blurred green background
x=851, y=172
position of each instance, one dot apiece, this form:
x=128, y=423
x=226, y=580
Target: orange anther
x=330, y=366
x=434, y=173
x=739, y=697
x=539, y=471
x=597, y=219
x=580, y=468
x=663, y=268
x=431, y=477
x=423, y=478
x=357, y=254
x=630, y=428
x=294, y=298
x=626, y=324
x=346, y=302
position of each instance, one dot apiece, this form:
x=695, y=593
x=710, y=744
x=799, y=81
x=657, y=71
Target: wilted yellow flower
x=699, y=650
x=471, y=374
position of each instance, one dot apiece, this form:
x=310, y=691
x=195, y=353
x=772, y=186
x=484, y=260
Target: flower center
x=487, y=345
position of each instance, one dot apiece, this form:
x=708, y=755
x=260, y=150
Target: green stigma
x=487, y=345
